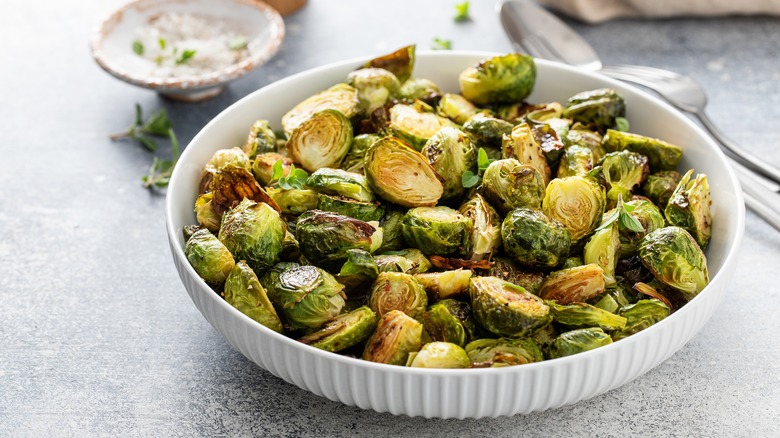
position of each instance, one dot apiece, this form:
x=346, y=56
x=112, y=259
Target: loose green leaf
x=295, y=180
x=622, y=214
x=138, y=48
x=462, y=12
x=238, y=43
x=621, y=124
x=469, y=180
x=482, y=160
x=441, y=44
x=161, y=41
x=158, y=124
x=161, y=170
x=278, y=170
x=185, y=56
x=147, y=142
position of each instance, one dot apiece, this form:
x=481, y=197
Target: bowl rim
x=178, y=252
x=233, y=71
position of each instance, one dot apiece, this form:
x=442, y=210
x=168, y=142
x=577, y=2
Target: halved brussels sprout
x=209, y=257
x=550, y=142
x=534, y=240
x=340, y=97
x=291, y=249
x=232, y=184
x=344, y=331
x=358, y=272
x=322, y=140
x=375, y=86
x=640, y=316
x=446, y=284
x=651, y=219
x=415, y=124
x=420, y=263
x=603, y=249
x=674, y=257
x=456, y=108
x=487, y=130
x=505, y=269
x=420, y=89
x=397, y=291
x=501, y=79
x=244, y=292
x=596, y=109
x=437, y=230
x=353, y=162
x=588, y=139
x=253, y=232
x=400, y=63
x=577, y=202
x=293, y=201
x=263, y=167
x=450, y=321
x=326, y=237
x=689, y=207
x=503, y=352
x=543, y=112
x=660, y=154
x=188, y=230
x=205, y=213
x=508, y=184
x=401, y=175
x=660, y=186
x=306, y=296
x=221, y=159
x=506, y=309
x=395, y=263
x=576, y=160
x=395, y=337
x=574, y=285
x=572, y=262
x=451, y=153
x=261, y=139
x=486, y=231
x=392, y=236
x=439, y=355
x=522, y=146
x=582, y=315
x=623, y=171
x=578, y=341
x=342, y=183
x=364, y=211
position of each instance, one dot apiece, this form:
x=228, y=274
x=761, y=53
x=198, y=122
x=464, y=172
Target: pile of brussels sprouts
x=399, y=224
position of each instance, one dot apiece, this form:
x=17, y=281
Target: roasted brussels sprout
x=486, y=231
x=503, y=352
x=341, y=97
x=543, y=112
x=415, y=124
x=209, y=257
x=577, y=202
x=342, y=183
x=395, y=263
x=506, y=309
x=320, y=141
x=487, y=130
x=263, y=166
x=244, y=292
x=572, y=262
x=439, y=355
x=505, y=269
x=392, y=236
x=522, y=146
x=508, y=184
x=450, y=321
x=451, y=153
x=253, y=232
x=231, y=185
x=623, y=171
x=674, y=257
x=358, y=273
x=306, y=296
x=534, y=240
x=456, y=108
x=582, y=315
x=343, y=331
x=437, y=230
x=400, y=63
x=291, y=249
x=395, y=337
x=660, y=186
x=326, y=237
x=574, y=285
x=220, y=160
x=578, y=341
x=588, y=139
x=447, y=284
x=640, y=316
x=689, y=207
x=401, y=175
x=660, y=154
x=550, y=142
x=576, y=160
x=293, y=201
x=420, y=263
x=353, y=162
x=261, y=139
x=603, y=249
x=501, y=79
x=596, y=109
x=188, y=230
x=651, y=219
x=375, y=86
x=206, y=215
x=364, y=211
x=419, y=89
x=397, y=291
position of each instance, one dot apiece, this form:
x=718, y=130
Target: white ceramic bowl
x=112, y=43
x=470, y=392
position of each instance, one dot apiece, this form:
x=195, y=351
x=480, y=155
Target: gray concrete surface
x=98, y=337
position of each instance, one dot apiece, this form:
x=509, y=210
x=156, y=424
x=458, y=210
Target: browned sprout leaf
x=232, y=184
x=650, y=291
x=454, y=263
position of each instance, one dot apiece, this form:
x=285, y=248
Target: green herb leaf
x=148, y=143
x=482, y=160
x=161, y=42
x=295, y=180
x=621, y=124
x=174, y=145
x=629, y=222
x=185, y=56
x=158, y=124
x=441, y=44
x=462, y=12
x=139, y=116
x=609, y=221
x=138, y=48
x=238, y=43
x=278, y=170
x=469, y=180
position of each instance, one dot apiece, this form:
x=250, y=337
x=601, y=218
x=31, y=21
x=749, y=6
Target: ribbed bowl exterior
x=470, y=393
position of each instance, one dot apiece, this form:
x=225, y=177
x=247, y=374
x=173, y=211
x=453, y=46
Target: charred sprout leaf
x=341, y=183
x=375, y=86
x=450, y=321
x=574, y=285
x=341, y=98
x=596, y=109
x=221, y=159
x=322, y=140
x=306, y=296
x=462, y=11
x=505, y=269
x=400, y=63
x=244, y=292
x=358, y=272
x=326, y=237
x=253, y=231
x=522, y=146
x=456, y=263
x=344, y=331
x=534, y=240
x=486, y=230
x=501, y=79
x=437, y=230
x=487, y=130
x=293, y=201
x=364, y=211
x=576, y=160
x=603, y=249
x=651, y=292
x=232, y=184
x=439, y=355
x=582, y=315
x=507, y=184
x=441, y=44
x=578, y=341
x=660, y=186
x=420, y=89
x=549, y=141
x=577, y=202
x=506, y=309
x=261, y=139
x=447, y=284
x=623, y=171
x=503, y=352
x=209, y=257
x=689, y=207
x=397, y=291
x=395, y=337
x=674, y=257
x=660, y=154
x=640, y=316
x=415, y=127
x=206, y=215
x=456, y=108
x=451, y=153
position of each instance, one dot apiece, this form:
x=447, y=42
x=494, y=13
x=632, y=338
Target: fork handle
x=763, y=201
x=738, y=153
